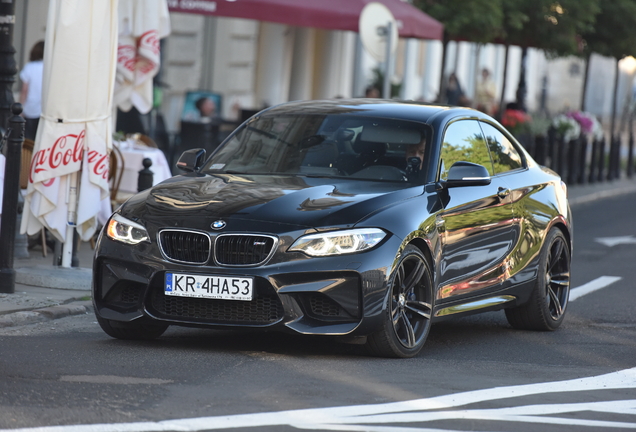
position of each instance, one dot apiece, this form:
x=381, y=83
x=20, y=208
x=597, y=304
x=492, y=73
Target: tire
x=409, y=305
x=141, y=329
x=549, y=299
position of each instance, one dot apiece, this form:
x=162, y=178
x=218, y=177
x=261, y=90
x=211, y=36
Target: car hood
x=304, y=202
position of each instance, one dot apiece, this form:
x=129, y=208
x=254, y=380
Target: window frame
x=515, y=144
x=440, y=161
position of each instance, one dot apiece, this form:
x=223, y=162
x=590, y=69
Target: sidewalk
x=44, y=292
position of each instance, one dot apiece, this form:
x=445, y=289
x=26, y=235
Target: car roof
x=406, y=110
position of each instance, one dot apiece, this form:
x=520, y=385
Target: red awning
x=325, y=14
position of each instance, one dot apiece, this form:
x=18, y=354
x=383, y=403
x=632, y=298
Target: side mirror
x=191, y=160
x=467, y=174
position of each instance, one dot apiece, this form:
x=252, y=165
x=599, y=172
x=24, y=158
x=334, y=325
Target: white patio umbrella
x=142, y=23
x=69, y=169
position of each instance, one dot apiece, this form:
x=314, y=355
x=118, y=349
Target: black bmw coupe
x=362, y=219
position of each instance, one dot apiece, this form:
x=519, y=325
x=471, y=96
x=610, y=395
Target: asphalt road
x=474, y=373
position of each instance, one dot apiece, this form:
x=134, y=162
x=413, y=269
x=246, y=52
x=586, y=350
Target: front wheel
x=409, y=306
x=549, y=299
x=141, y=329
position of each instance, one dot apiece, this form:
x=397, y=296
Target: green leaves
x=560, y=27
x=613, y=34
x=471, y=20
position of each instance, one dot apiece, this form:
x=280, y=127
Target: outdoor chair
x=143, y=140
x=115, y=173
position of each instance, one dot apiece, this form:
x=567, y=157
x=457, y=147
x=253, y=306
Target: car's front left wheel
x=140, y=329
x=408, y=310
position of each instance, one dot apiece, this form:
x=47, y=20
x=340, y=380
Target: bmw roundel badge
x=218, y=225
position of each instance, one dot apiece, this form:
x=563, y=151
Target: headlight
x=126, y=231
x=338, y=242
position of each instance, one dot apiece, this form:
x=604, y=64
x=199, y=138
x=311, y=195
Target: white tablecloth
x=133, y=163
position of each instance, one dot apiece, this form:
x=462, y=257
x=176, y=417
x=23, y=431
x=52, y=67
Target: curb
x=45, y=314
x=55, y=277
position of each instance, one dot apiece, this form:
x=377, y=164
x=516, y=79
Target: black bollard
x=582, y=159
x=571, y=160
x=614, y=152
x=76, y=244
x=561, y=152
x=614, y=155
x=144, y=181
x=540, y=149
x=10, y=200
x=593, y=162
x=601, y=160
x=630, y=155
x=551, y=148
x=610, y=161
x=617, y=157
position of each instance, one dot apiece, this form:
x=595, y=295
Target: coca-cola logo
x=67, y=149
x=126, y=56
x=150, y=40
x=145, y=66
x=99, y=163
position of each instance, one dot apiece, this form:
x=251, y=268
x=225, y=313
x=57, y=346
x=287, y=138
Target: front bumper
x=330, y=296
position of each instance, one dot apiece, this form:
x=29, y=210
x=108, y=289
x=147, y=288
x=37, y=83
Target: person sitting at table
x=207, y=109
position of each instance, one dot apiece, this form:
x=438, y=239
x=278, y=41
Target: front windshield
x=335, y=145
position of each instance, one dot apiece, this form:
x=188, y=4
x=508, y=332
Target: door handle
x=503, y=192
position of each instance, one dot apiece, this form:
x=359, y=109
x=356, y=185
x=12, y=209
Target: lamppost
x=10, y=206
x=8, y=68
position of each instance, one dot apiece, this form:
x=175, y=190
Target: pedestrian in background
x=454, y=92
x=485, y=93
x=372, y=92
x=207, y=109
x=31, y=94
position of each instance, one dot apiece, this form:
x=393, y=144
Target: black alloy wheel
x=408, y=309
x=549, y=300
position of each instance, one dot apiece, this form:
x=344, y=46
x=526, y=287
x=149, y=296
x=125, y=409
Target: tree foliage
x=614, y=34
x=552, y=25
x=470, y=20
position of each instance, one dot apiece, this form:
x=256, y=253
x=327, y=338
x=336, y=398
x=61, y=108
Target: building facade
x=253, y=64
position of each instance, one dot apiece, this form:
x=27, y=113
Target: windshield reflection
x=325, y=145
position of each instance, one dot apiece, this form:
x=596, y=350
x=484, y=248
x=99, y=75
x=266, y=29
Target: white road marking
x=592, y=286
x=371, y=417
x=112, y=379
x=613, y=241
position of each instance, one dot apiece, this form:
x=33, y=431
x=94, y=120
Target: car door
x=475, y=224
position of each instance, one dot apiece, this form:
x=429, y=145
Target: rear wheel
x=549, y=299
x=140, y=329
x=407, y=319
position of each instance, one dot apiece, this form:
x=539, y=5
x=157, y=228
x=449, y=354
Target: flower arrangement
x=588, y=122
x=516, y=121
x=567, y=127
x=540, y=125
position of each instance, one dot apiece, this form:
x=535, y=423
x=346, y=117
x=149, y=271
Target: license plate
x=210, y=287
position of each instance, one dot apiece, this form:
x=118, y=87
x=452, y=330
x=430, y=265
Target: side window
x=504, y=155
x=464, y=141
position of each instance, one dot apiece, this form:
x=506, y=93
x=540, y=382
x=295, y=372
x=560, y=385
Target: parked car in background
x=363, y=219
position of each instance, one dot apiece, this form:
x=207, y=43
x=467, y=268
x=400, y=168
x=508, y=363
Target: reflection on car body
x=335, y=223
